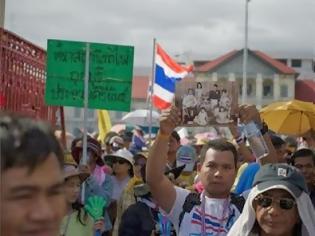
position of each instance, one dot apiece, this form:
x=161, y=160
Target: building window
x=296, y=63
x=284, y=61
x=240, y=89
x=77, y=112
x=267, y=90
x=284, y=91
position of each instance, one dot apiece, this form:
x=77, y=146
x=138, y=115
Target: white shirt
x=217, y=223
x=118, y=187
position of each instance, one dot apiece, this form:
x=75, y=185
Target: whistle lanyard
x=164, y=225
x=203, y=214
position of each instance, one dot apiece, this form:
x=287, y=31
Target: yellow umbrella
x=291, y=117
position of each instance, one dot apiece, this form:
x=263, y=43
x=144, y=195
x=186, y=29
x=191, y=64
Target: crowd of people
x=129, y=188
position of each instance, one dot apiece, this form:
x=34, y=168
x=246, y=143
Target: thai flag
x=167, y=72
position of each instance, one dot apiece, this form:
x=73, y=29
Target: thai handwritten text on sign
x=110, y=75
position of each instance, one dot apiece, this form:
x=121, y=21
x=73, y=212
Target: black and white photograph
x=206, y=103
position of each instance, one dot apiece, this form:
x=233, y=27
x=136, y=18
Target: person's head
x=116, y=143
x=127, y=138
x=277, y=187
x=203, y=110
x=190, y=91
x=304, y=160
x=94, y=151
x=122, y=162
x=140, y=160
x=309, y=139
x=174, y=142
x=217, y=167
x=199, y=85
x=216, y=87
x=32, y=193
x=280, y=147
x=73, y=179
x=107, y=138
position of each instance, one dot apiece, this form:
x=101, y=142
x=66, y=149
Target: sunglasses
x=284, y=203
x=140, y=162
x=119, y=161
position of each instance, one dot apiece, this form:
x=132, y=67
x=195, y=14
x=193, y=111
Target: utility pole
x=2, y=12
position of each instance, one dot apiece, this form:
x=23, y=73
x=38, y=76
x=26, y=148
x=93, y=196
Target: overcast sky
x=197, y=29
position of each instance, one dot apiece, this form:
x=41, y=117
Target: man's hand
x=249, y=113
x=169, y=119
x=233, y=128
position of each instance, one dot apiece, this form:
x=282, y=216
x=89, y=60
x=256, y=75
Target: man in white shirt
x=214, y=211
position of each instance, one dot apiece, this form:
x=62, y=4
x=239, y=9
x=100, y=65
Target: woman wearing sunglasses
x=277, y=205
x=122, y=162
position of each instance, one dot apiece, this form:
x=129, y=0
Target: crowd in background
x=132, y=194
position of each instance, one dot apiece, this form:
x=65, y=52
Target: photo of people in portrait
x=206, y=103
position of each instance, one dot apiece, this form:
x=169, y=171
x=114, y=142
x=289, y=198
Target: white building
x=268, y=80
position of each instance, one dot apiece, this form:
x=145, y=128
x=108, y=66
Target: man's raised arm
x=162, y=189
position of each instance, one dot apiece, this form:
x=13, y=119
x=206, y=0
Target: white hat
x=121, y=153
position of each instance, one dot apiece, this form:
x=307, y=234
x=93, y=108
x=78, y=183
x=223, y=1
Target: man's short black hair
x=25, y=142
x=175, y=135
x=304, y=152
x=218, y=145
x=277, y=141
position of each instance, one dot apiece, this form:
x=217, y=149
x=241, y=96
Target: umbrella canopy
x=291, y=118
x=141, y=117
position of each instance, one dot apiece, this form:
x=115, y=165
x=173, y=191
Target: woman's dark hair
x=26, y=142
x=130, y=171
x=199, y=85
x=80, y=208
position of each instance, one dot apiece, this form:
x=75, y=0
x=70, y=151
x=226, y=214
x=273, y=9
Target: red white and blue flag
x=167, y=72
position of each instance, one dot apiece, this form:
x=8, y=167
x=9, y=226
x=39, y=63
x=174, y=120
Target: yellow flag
x=104, y=124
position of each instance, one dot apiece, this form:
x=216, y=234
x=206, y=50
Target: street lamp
x=245, y=54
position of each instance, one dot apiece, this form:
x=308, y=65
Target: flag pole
x=245, y=54
x=151, y=91
x=86, y=99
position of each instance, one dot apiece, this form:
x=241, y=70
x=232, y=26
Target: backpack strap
x=191, y=200
x=238, y=201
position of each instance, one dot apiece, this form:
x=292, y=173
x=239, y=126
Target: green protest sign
x=110, y=76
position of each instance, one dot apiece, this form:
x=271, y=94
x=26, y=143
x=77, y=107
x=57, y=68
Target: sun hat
x=121, y=153
x=280, y=176
x=116, y=140
x=92, y=145
x=71, y=170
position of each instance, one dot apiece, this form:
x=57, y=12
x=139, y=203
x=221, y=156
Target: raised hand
x=249, y=113
x=169, y=119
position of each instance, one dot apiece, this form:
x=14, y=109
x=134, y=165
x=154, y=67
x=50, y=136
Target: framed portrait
x=206, y=103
